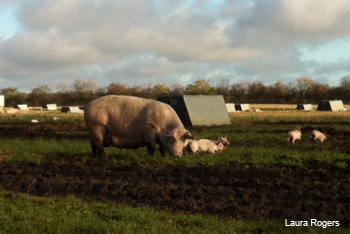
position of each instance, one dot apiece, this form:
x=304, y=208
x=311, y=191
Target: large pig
x=133, y=122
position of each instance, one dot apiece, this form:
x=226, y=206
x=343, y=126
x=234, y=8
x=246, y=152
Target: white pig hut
x=334, y=105
x=199, y=110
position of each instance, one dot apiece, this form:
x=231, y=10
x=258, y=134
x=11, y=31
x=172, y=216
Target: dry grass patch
x=283, y=106
x=291, y=116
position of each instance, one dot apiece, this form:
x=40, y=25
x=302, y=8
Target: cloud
x=4, y=2
x=169, y=40
x=280, y=27
x=311, y=16
x=33, y=52
x=69, y=33
x=283, y=22
x=132, y=26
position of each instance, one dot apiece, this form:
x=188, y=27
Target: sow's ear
x=188, y=135
x=172, y=134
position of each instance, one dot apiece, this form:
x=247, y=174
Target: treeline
x=79, y=92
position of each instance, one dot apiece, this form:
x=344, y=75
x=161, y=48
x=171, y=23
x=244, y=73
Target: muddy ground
x=316, y=190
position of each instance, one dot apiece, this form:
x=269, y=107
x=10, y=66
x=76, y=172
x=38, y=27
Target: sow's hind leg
x=97, y=143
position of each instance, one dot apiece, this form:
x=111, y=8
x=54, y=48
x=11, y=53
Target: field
x=50, y=183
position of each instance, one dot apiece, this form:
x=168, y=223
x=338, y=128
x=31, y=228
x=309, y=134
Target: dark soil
x=55, y=131
x=317, y=190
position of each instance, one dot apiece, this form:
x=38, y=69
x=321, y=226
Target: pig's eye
x=171, y=139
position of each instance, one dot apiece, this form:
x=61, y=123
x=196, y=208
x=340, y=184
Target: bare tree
x=177, y=89
x=277, y=93
x=304, y=87
x=83, y=91
x=239, y=91
x=117, y=89
x=84, y=86
x=40, y=95
x=223, y=87
x=345, y=88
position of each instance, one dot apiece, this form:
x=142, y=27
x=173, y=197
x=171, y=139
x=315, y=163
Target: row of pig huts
x=326, y=105
x=49, y=107
x=212, y=110
x=333, y=105
x=196, y=110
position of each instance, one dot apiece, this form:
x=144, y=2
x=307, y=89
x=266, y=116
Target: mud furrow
x=317, y=190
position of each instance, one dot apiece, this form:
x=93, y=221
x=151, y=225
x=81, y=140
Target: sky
x=149, y=42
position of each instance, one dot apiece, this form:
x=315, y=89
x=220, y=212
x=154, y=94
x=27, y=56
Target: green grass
x=41, y=116
x=258, y=143
x=39, y=150
x=20, y=213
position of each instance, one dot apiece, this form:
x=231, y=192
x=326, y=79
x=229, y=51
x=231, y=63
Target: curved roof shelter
x=199, y=110
x=327, y=105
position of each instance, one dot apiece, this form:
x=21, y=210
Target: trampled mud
x=316, y=190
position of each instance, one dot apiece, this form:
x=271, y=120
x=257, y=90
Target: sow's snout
x=175, y=141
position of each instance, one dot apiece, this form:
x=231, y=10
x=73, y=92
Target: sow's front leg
x=150, y=148
x=151, y=138
x=162, y=149
x=97, y=151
